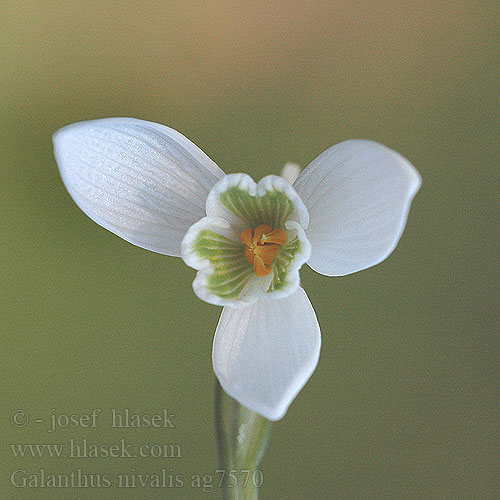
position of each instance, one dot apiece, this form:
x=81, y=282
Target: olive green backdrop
x=405, y=401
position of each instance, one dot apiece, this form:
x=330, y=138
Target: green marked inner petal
x=273, y=208
x=281, y=262
x=229, y=270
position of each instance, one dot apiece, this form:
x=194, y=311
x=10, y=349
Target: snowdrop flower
x=153, y=187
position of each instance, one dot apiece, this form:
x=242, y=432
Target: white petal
x=290, y=172
x=143, y=181
x=264, y=354
x=358, y=194
x=244, y=203
x=288, y=261
x=225, y=277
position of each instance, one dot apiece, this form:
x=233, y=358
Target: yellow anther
x=261, y=246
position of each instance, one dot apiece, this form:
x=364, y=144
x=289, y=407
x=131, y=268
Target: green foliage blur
x=404, y=403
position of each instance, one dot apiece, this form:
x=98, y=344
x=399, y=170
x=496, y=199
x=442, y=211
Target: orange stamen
x=261, y=246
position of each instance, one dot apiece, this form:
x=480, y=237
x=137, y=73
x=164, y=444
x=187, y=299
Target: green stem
x=242, y=436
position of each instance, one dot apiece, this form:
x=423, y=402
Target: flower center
x=261, y=246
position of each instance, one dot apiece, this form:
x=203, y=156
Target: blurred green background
x=405, y=401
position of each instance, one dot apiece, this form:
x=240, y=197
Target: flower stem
x=242, y=436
